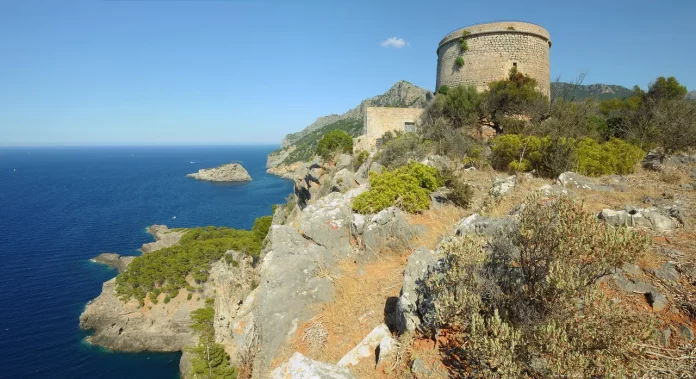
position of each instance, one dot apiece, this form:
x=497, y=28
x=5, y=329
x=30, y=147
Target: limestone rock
x=477, y=224
x=650, y=218
x=553, y=190
x=164, y=237
x=114, y=260
x=503, y=185
x=573, y=180
x=295, y=276
x=438, y=162
x=129, y=327
x=388, y=228
x=343, y=180
x=231, y=172
x=420, y=262
x=657, y=300
x=301, y=367
x=328, y=221
x=344, y=161
x=378, y=341
x=667, y=272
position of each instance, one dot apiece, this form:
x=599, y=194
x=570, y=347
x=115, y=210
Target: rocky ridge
x=231, y=172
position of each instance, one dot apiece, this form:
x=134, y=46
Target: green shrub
x=459, y=61
x=531, y=291
x=209, y=358
x=335, y=141
x=167, y=299
x=612, y=157
x=515, y=95
x=460, y=192
x=551, y=156
x=261, y=227
x=360, y=158
x=399, y=150
x=407, y=187
x=443, y=90
x=463, y=45
x=169, y=269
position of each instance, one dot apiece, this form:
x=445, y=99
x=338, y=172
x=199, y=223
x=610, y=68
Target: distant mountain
x=300, y=146
x=570, y=91
x=691, y=95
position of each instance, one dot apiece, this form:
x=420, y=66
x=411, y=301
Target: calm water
x=59, y=207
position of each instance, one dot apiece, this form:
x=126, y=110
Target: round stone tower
x=490, y=51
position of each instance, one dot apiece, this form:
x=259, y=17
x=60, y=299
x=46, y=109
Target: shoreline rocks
x=164, y=237
x=114, y=260
x=231, y=172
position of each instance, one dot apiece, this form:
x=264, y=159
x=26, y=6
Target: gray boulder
x=438, y=162
x=301, y=367
x=388, y=228
x=503, y=185
x=686, y=333
x=657, y=300
x=650, y=218
x=481, y=225
x=420, y=262
x=667, y=272
x=295, y=276
x=343, y=180
x=328, y=221
x=573, y=180
x=362, y=176
x=344, y=161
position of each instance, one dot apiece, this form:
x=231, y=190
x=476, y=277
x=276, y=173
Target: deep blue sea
x=59, y=207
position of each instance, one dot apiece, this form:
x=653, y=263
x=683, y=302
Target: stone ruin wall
x=379, y=120
x=494, y=48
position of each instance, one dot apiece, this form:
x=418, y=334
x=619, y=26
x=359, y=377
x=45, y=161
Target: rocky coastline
x=231, y=172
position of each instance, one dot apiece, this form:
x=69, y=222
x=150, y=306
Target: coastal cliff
x=231, y=172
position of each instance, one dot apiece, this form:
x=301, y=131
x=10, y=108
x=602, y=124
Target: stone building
x=492, y=50
x=379, y=120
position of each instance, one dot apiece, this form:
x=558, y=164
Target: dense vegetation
x=307, y=145
x=578, y=92
x=334, y=142
x=209, y=358
x=549, y=156
x=170, y=269
x=526, y=304
x=407, y=187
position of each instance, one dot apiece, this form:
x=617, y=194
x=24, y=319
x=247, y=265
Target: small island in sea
x=231, y=172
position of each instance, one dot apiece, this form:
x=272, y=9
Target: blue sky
x=126, y=72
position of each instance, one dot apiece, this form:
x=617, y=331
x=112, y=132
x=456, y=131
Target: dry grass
x=358, y=307
x=438, y=223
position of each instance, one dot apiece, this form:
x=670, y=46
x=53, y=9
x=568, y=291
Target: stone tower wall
x=494, y=48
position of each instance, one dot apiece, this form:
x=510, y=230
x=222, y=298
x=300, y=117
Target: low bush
x=170, y=269
x=333, y=142
x=460, y=192
x=459, y=61
x=398, y=150
x=407, y=187
x=531, y=292
x=360, y=158
x=551, y=156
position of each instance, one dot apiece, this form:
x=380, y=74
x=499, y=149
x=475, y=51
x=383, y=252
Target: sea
x=61, y=206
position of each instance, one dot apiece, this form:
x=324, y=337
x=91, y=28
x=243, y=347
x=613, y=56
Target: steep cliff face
x=402, y=94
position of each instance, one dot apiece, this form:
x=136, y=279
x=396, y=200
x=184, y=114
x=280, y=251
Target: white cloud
x=394, y=42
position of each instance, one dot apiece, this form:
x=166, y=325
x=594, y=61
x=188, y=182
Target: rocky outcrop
x=574, y=180
x=386, y=229
x=660, y=219
x=114, y=260
x=127, y=326
x=481, y=225
x=164, y=237
x=231, y=172
x=503, y=185
x=130, y=327
x=420, y=262
x=295, y=275
x=301, y=367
